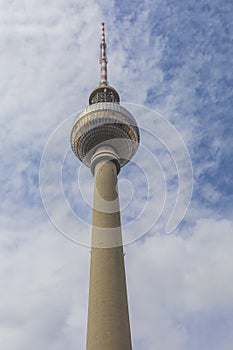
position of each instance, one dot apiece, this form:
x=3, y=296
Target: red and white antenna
x=103, y=59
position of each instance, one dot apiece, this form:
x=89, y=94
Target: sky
x=171, y=63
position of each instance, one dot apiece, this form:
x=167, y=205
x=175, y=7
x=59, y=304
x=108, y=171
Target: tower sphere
x=105, y=123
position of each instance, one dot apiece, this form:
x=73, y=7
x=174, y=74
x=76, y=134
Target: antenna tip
x=102, y=24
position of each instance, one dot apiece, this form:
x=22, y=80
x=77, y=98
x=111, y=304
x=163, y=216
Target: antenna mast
x=103, y=59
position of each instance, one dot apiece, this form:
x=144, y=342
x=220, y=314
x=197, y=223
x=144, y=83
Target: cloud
x=174, y=281
x=42, y=290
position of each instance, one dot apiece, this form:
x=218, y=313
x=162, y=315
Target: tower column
x=105, y=137
x=108, y=318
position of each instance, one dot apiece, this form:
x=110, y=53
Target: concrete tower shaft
x=108, y=318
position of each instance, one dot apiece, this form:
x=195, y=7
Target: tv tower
x=105, y=137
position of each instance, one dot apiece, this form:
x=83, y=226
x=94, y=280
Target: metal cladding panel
x=108, y=106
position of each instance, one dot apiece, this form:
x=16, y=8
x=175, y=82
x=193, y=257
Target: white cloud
x=43, y=287
x=173, y=278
